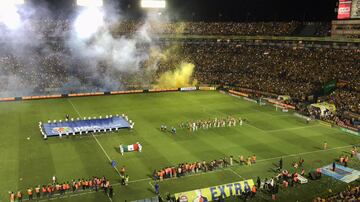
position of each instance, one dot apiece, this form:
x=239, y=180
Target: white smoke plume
x=85, y=56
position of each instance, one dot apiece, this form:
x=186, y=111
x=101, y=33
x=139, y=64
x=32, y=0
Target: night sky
x=220, y=10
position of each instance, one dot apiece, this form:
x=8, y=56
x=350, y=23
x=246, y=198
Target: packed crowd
x=347, y=99
x=212, y=28
x=351, y=194
x=211, y=123
x=287, y=71
x=59, y=189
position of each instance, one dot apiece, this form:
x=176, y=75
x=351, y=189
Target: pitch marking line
x=281, y=129
x=151, y=185
x=102, y=148
x=237, y=174
x=304, y=153
x=294, y=128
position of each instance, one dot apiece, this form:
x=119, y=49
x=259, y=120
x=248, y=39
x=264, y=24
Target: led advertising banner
x=344, y=11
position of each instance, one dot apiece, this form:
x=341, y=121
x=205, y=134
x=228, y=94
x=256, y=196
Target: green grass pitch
x=269, y=134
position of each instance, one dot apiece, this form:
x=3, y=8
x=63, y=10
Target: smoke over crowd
x=83, y=53
x=180, y=77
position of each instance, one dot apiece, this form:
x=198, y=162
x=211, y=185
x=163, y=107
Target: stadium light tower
x=9, y=15
x=153, y=4
x=90, y=19
x=90, y=3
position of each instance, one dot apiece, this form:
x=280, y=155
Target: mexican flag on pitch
x=130, y=148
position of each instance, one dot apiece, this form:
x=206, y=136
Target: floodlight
x=90, y=3
x=88, y=22
x=6, y=3
x=9, y=15
x=153, y=4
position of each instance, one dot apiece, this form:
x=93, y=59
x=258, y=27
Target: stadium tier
x=84, y=126
x=233, y=100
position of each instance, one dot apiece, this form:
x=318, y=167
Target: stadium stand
x=281, y=69
x=350, y=194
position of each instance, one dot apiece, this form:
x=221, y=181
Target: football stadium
x=179, y=101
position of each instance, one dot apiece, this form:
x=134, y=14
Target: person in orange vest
x=37, y=192
x=19, y=196
x=65, y=187
x=49, y=191
x=77, y=185
x=253, y=159
x=12, y=197
x=43, y=190
x=30, y=193
x=87, y=184
x=253, y=191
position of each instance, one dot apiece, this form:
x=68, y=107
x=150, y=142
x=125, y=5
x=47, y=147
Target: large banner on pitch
x=355, y=9
x=213, y=193
x=344, y=10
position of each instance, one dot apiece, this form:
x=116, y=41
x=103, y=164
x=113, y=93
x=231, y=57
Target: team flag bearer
x=130, y=148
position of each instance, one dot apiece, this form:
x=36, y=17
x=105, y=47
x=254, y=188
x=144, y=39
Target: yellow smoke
x=180, y=77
